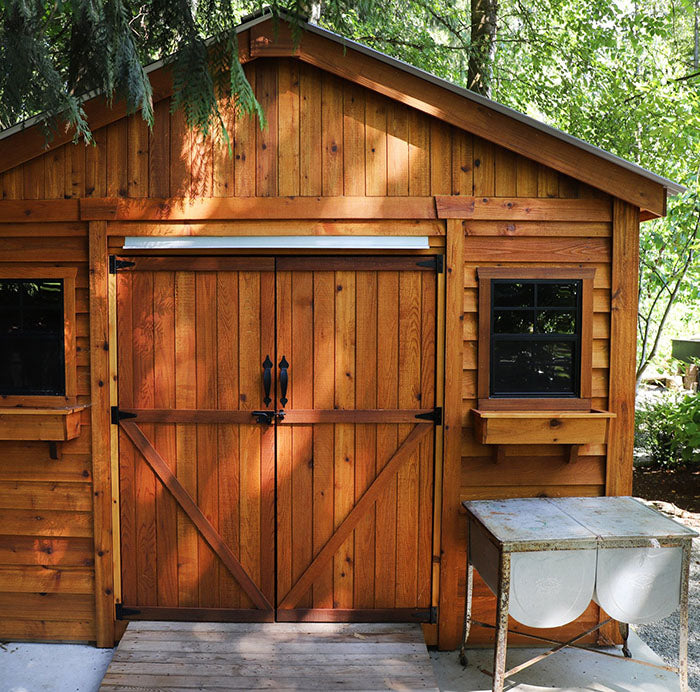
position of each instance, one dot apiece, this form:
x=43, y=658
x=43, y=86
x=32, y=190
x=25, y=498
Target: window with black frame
x=32, y=342
x=535, y=338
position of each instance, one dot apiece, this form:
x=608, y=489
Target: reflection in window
x=535, y=338
x=32, y=337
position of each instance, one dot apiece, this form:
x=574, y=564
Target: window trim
x=68, y=275
x=488, y=403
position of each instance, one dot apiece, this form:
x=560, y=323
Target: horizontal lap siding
x=46, y=524
x=532, y=470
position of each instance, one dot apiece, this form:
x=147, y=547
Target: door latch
x=267, y=417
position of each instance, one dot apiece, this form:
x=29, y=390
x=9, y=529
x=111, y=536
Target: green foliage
x=667, y=429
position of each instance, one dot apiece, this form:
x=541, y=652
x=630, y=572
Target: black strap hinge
x=433, y=615
x=121, y=612
x=115, y=264
x=118, y=415
x=435, y=415
x=436, y=262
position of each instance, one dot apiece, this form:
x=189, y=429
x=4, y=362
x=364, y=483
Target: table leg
x=499, y=656
x=467, y=612
x=625, y=633
x=683, y=639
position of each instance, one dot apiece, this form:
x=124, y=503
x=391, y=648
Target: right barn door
x=356, y=362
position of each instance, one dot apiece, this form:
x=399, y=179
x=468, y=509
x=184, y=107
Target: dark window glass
x=31, y=337
x=535, y=338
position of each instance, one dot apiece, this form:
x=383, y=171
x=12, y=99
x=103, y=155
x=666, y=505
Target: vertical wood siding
x=324, y=136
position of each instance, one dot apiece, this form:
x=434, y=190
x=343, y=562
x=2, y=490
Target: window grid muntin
x=52, y=336
x=537, y=336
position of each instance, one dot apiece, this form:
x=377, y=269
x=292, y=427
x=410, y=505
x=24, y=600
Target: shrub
x=667, y=429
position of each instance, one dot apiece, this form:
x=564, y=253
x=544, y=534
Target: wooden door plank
x=144, y=479
x=127, y=490
x=266, y=538
x=407, y=498
x=207, y=454
x=344, y=451
x=324, y=397
x=345, y=529
x=228, y=435
x=365, y=435
x=196, y=515
x=185, y=435
x=251, y=437
x=301, y=395
x=285, y=457
x=165, y=435
x=387, y=437
x=429, y=308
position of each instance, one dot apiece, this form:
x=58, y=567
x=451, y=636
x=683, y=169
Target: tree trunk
x=484, y=18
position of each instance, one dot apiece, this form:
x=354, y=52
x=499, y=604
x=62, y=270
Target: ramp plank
x=279, y=656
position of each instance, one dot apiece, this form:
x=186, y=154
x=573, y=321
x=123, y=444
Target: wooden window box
x=49, y=424
x=572, y=428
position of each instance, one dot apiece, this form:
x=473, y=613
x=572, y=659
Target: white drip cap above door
x=257, y=242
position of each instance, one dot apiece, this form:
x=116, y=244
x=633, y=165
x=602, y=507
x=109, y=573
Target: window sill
x=46, y=424
x=572, y=428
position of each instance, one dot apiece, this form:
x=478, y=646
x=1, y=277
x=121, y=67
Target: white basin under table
x=545, y=559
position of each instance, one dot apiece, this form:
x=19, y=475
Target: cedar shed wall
x=325, y=137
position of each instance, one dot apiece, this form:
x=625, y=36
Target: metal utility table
x=545, y=558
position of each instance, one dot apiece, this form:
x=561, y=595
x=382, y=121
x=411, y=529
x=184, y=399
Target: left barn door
x=196, y=470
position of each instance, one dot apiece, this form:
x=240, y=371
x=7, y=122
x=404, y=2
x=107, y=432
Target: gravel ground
x=662, y=636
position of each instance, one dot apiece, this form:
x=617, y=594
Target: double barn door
x=276, y=432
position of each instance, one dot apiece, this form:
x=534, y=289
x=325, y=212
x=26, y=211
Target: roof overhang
x=261, y=36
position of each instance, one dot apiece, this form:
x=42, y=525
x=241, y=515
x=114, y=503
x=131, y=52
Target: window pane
x=43, y=319
x=513, y=294
x=31, y=337
x=556, y=322
x=563, y=295
x=31, y=365
x=532, y=367
x=10, y=293
x=43, y=293
x=513, y=321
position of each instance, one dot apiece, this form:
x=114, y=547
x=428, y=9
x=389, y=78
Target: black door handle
x=267, y=379
x=284, y=381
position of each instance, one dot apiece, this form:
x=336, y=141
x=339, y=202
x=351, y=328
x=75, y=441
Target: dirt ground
x=681, y=488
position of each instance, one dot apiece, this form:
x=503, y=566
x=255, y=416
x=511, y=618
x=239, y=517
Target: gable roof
x=260, y=36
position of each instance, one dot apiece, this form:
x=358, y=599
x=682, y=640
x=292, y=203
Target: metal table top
x=582, y=522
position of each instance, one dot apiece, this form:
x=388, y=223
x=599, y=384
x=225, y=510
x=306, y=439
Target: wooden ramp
x=278, y=656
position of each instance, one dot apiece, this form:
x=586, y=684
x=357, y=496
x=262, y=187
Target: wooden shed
x=257, y=387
